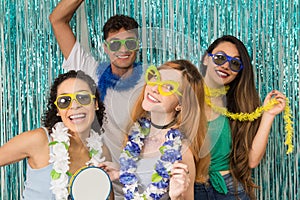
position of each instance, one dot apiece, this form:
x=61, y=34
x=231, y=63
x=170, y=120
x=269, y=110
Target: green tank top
x=220, y=144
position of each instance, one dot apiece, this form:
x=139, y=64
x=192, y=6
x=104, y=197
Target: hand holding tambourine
x=111, y=168
x=90, y=183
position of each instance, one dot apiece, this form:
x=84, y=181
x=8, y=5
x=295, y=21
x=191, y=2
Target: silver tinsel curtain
x=30, y=59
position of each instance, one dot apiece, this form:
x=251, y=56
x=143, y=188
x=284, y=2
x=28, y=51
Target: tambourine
x=90, y=183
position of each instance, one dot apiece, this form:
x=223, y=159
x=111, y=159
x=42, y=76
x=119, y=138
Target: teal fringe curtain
x=30, y=59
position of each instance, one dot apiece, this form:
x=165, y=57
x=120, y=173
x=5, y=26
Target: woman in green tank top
x=232, y=147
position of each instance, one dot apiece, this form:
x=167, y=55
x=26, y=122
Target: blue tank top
x=37, y=184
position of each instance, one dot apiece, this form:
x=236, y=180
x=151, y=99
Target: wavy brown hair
x=241, y=97
x=191, y=120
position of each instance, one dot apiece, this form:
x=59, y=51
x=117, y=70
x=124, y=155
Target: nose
x=123, y=48
x=155, y=89
x=226, y=65
x=75, y=104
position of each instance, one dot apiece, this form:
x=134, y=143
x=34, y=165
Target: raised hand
x=278, y=108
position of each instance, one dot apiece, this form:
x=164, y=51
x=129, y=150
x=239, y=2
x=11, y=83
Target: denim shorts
x=206, y=191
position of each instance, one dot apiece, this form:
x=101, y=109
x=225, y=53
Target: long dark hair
x=50, y=118
x=241, y=97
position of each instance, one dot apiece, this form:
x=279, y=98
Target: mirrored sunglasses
x=166, y=88
x=220, y=58
x=131, y=44
x=64, y=101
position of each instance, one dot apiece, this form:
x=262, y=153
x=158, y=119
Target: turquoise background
x=30, y=59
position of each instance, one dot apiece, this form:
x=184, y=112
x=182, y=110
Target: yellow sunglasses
x=64, y=101
x=165, y=88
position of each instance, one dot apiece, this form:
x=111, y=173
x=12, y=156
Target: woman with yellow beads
x=238, y=126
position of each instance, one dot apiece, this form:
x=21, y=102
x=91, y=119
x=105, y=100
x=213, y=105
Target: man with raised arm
x=120, y=80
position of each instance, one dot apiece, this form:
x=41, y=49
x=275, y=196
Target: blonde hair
x=191, y=120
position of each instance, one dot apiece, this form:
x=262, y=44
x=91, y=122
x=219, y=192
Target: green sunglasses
x=114, y=45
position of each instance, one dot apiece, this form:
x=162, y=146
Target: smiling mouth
x=77, y=116
x=122, y=56
x=152, y=99
x=221, y=74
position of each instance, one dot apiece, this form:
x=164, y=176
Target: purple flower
x=127, y=164
x=128, y=178
x=156, y=196
x=171, y=155
x=128, y=195
x=144, y=123
x=133, y=135
x=145, y=126
x=161, y=184
x=169, y=143
x=133, y=148
x=174, y=133
x=161, y=170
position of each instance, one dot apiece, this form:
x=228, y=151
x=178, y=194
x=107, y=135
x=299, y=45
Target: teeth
x=77, y=116
x=122, y=57
x=152, y=98
x=222, y=73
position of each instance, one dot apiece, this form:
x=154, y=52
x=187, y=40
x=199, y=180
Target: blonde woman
x=157, y=161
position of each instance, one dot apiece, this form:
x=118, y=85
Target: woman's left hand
x=278, y=108
x=179, y=181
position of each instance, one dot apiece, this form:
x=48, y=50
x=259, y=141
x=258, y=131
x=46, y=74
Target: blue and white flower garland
x=60, y=157
x=170, y=150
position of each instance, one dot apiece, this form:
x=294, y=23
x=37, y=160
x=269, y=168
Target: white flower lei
x=60, y=157
x=171, y=151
